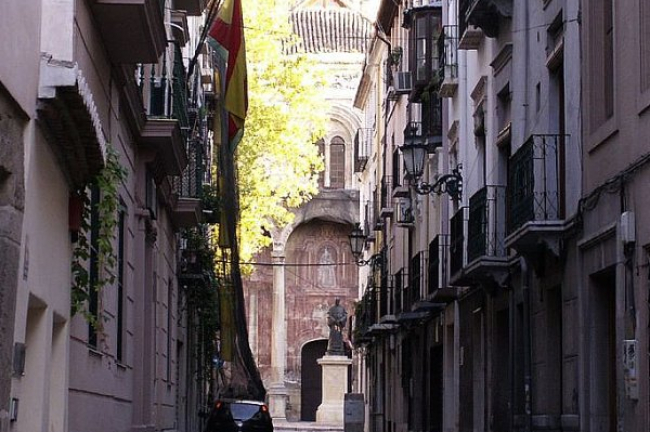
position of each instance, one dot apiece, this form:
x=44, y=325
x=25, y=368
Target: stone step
x=303, y=426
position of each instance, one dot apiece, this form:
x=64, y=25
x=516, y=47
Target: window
x=608, y=57
x=601, y=56
x=337, y=163
x=644, y=36
x=432, y=116
x=424, y=52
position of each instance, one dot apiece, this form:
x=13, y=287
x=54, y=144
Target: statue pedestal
x=278, y=401
x=335, y=386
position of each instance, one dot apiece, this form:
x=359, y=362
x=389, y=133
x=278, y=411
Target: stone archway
x=311, y=378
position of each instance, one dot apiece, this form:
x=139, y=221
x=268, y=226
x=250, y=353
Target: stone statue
x=336, y=319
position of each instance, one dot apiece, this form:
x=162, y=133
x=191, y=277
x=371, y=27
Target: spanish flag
x=227, y=32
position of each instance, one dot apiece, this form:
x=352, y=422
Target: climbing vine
x=106, y=185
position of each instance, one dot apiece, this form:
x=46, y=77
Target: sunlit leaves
x=278, y=162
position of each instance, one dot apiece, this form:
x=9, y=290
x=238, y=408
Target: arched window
x=337, y=163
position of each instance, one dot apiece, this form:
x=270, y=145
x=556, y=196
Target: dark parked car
x=239, y=416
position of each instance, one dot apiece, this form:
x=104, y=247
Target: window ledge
x=643, y=103
x=602, y=134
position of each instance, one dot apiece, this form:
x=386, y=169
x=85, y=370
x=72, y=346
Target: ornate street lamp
x=414, y=152
x=357, y=244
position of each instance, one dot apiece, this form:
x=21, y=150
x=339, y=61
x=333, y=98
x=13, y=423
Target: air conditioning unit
x=404, y=213
x=403, y=82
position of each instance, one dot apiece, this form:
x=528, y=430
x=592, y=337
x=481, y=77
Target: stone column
x=253, y=321
x=277, y=390
x=335, y=386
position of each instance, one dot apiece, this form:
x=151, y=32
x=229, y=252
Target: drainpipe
x=525, y=290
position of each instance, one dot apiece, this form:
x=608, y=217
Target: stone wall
x=12, y=200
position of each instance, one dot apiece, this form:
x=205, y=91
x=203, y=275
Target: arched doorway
x=311, y=379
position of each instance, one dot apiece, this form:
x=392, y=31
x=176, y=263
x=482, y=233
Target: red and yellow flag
x=228, y=32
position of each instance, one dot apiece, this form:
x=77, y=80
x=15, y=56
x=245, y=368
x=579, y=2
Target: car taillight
x=218, y=404
x=264, y=408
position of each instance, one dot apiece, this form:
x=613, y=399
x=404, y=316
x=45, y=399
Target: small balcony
x=365, y=316
x=368, y=226
x=191, y=7
x=486, y=251
x=362, y=148
x=400, y=280
x=133, y=31
x=535, y=213
x=167, y=125
x=188, y=187
x=438, y=289
x=386, y=199
x=448, y=61
x=377, y=219
x=484, y=14
x=400, y=190
x=458, y=245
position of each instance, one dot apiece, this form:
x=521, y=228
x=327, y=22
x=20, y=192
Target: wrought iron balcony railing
x=484, y=14
x=437, y=265
x=377, y=220
x=386, y=197
x=190, y=183
x=365, y=315
x=164, y=97
x=362, y=148
x=534, y=182
x=458, y=240
x=400, y=280
x=486, y=226
x=448, y=61
x=416, y=280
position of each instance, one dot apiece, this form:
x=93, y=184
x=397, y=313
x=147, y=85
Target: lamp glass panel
x=414, y=155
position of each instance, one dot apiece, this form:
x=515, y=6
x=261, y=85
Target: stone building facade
x=76, y=79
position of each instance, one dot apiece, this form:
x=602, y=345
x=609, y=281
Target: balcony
x=423, y=50
x=192, y=7
x=437, y=280
x=484, y=14
x=448, y=61
x=132, y=30
x=458, y=245
x=365, y=317
x=399, y=282
x=188, y=187
x=377, y=219
x=429, y=129
x=399, y=189
x=386, y=210
x=486, y=251
x=368, y=226
x=362, y=148
x=534, y=212
x=166, y=128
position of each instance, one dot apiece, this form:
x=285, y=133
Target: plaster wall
x=43, y=300
x=20, y=52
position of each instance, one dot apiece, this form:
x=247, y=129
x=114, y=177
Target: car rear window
x=242, y=411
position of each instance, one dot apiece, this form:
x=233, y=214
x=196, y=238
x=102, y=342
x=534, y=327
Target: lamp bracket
x=451, y=184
